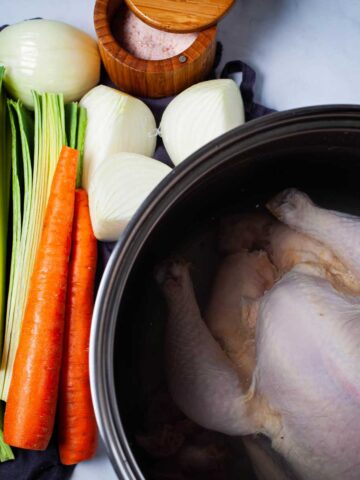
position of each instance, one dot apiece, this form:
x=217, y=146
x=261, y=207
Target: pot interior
x=324, y=165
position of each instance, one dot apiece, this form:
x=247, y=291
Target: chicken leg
x=201, y=378
x=340, y=232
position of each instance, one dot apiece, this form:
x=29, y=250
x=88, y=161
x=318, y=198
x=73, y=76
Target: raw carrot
x=77, y=432
x=31, y=406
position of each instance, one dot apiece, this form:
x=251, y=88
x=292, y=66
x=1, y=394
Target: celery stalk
x=34, y=180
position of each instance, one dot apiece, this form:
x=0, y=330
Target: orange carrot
x=77, y=431
x=31, y=406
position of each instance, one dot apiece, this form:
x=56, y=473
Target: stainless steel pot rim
x=184, y=176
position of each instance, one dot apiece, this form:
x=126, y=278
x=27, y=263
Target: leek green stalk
x=5, y=163
x=32, y=179
x=5, y=172
x=76, y=121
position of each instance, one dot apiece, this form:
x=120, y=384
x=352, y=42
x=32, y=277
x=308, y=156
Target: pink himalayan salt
x=149, y=43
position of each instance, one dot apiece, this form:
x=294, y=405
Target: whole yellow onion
x=48, y=56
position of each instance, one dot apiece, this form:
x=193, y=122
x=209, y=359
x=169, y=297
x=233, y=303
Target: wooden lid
x=180, y=16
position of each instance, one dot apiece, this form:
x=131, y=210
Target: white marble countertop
x=305, y=52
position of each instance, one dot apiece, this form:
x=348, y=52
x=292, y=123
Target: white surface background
x=305, y=52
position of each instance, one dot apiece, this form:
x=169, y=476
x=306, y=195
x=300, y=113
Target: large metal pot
x=315, y=149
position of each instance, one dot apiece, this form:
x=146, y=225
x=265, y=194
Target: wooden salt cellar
x=161, y=78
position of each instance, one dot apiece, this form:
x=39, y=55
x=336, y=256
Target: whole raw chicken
x=275, y=358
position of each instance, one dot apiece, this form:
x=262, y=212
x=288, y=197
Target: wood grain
x=151, y=78
x=180, y=15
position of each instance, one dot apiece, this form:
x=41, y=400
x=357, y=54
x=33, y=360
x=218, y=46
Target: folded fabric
x=36, y=465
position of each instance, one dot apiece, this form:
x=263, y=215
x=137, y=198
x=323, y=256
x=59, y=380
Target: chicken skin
x=277, y=350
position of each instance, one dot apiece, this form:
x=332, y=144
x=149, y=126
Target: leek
x=76, y=120
x=80, y=142
x=22, y=135
x=5, y=162
x=5, y=172
x=71, y=116
x=33, y=177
